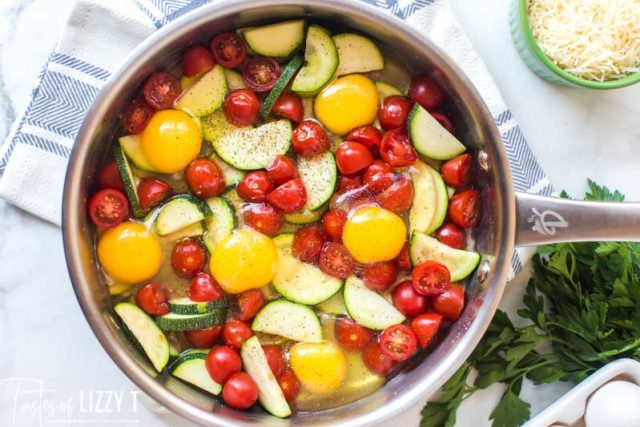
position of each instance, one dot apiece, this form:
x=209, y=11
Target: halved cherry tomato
x=397, y=197
x=463, y=208
x=452, y=235
x=152, y=191
x=204, y=178
x=249, y=304
x=430, y=278
x=236, y=332
x=394, y=112
x=109, y=177
x=443, y=120
x=352, y=335
x=378, y=176
x=368, y=136
x=229, y=49
x=349, y=182
x=108, y=208
x=289, y=197
x=407, y=300
x=203, y=338
x=426, y=326
x=450, y=303
x=241, y=107
x=240, y=391
x=188, y=258
x=222, y=362
x=275, y=358
x=380, y=275
x=457, y=171
x=396, y=149
x=263, y=217
x=352, y=157
x=255, y=186
x=135, y=116
x=336, y=261
x=197, y=60
x=290, y=385
x=426, y=92
x=309, y=139
x=281, y=170
x=375, y=360
x=204, y=288
x=289, y=106
x=398, y=342
x=261, y=74
x=161, y=90
x=403, y=260
x=152, y=299
x=307, y=243
x=333, y=223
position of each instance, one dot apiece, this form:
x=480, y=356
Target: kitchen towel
x=100, y=34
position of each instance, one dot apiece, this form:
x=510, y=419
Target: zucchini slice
x=334, y=305
x=430, y=138
x=192, y=230
x=190, y=322
x=459, y=262
x=206, y=95
x=232, y=176
x=219, y=225
x=305, y=216
x=321, y=62
x=319, y=175
x=357, y=54
x=277, y=40
x=190, y=367
x=146, y=333
x=216, y=125
x=128, y=180
x=132, y=147
x=186, y=306
x=369, y=308
x=385, y=90
x=280, y=85
x=234, y=79
x=179, y=212
x=430, y=201
x=287, y=319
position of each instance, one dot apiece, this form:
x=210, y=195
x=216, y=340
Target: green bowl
x=539, y=62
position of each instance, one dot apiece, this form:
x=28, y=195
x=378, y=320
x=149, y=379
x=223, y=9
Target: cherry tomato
x=333, y=223
x=109, y=177
x=443, y=120
x=450, y=303
x=197, y=60
x=108, y=208
x=204, y=288
x=378, y=176
x=289, y=197
x=368, y=135
x=380, y=275
x=452, y=235
x=394, y=112
x=249, y=304
x=241, y=107
x=188, y=258
x=398, y=342
x=135, y=116
x=236, y=332
x=430, y=278
x=263, y=217
x=349, y=182
x=463, y=208
x=289, y=106
x=426, y=326
x=255, y=186
x=275, y=358
x=375, y=360
x=152, y=299
x=407, y=300
x=426, y=92
x=240, y=391
x=290, y=385
x=152, y=191
x=281, y=170
x=403, y=260
x=222, y=363
x=457, y=171
x=309, y=139
x=203, y=338
x=352, y=157
x=396, y=149
x=204, y=178
x=261, y=74
x=336, y=261
x=398, y=197
x=352, y=335
x=307, y=243
x=229, y=49
x=161, y=90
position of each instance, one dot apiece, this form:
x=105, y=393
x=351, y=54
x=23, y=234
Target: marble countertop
x=48, y=353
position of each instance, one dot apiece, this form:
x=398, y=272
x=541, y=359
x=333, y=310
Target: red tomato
x=188, y=258
x=443, y=120
x=403, y=260
x=197, y=60
x=263, y=217
x=109, y=177
x=152, y=299
x=394, y=112
x=450, y=303
x=135, y=116
x=240, y=391
x=426, y=92
x=375, y=360
x=396, y=149
x=463, y=208
x=281, y=170
x=309, y=139
x=204, y=288
x=457, y=171
x=204, y=178
x=368, y=135
x=425, y=326
x=336, y=261
x=380, y=275
x=108, y=208
x=352, y=335
x=152, y=191
x=352, y=157
x=161, y=90
x=203, y=338
x=378, y=176
x=407, y=300
x=349, y=182
x=289, y=197
x=229, y=49
x=307, y=243
x=289, y=106
x=249, y=304
x=255, y=186
x=398, y=342
x=289, y=384
x=333, y=223
x=261, y=74
x=430, y=278
x=222, y=363
x=452, y=235
x=275, y=358
x=241, y=107
x=236, y=332
x=398, y=197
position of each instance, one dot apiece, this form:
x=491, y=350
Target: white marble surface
x=46, y=346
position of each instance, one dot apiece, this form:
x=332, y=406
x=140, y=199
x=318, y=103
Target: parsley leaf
x=511, y=410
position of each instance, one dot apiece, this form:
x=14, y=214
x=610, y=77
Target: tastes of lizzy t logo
x=546, y=222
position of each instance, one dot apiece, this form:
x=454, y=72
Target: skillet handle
x=542, y=220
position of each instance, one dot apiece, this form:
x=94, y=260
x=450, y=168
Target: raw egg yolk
x=129, y=253
x=320, y=366
x=171, y=141
x=374, y=234
x=347, y=103
x=244, y=260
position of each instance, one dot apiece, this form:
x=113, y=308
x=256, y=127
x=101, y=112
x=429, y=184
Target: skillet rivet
x=483, y=271
x=483, y=160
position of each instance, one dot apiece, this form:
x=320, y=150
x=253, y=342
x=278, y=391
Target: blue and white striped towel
x=99, y=36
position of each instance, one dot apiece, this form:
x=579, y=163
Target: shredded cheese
x=591, y=39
